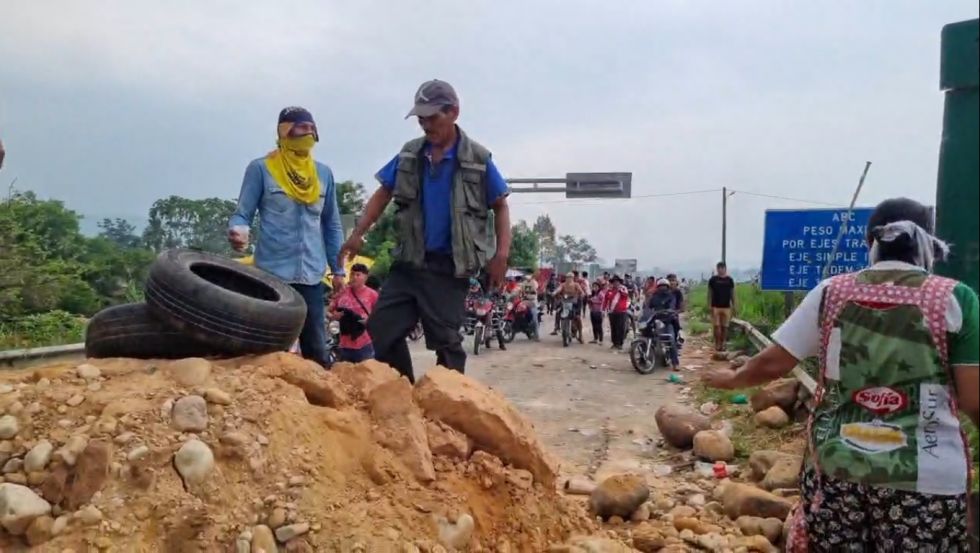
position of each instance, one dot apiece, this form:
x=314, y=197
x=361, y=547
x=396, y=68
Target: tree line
x=49, y=267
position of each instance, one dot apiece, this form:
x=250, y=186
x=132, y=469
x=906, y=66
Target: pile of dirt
x=270, y=454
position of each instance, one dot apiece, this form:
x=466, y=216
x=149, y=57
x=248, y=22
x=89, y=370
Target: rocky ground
x=271, y=454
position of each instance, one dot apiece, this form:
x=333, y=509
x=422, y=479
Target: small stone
x=713, y=445
x=16, y=478
x=190, y=414
x=13, y=465
x=19, y=506
x=65, y=423
x=641, y=514
x=263, y=540
x=192, y=371
x=88, y=371
x=36, y=478
x=94, y=386
x=40, y=530
x=43, y=383
x=89, y=515
x=59, y=525
x=277, y=518
x=262, y=439
x=243, y=544
x=619, y=495
x=6, y=389
x=9, y=427
x=697, y=500
x=124, y=438
x=772, y=417
x=217, y=396
x=286, y=533
x=236, y=439
x=15, y=408
x=75, y=400
x=62, y=409
x=137, y=453
x=297, y=481
x=34, y=408
x=194, y=461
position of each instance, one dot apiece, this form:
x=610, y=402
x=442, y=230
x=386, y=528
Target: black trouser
x=617, y=328
x=597, y=326
x=433, y=295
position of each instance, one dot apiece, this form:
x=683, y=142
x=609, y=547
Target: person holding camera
x=351, y=307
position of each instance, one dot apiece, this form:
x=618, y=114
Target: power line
x=771, y=196
x=642, y=196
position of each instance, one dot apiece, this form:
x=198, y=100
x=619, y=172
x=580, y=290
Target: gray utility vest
x=471, y=238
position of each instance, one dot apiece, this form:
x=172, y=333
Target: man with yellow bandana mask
x=301, y=233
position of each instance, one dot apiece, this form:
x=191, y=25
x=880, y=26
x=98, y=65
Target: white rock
x=88, y=371
x=19, y=506
x=43, y=383
x=286, y=533
x=137, y=453
x=13, y=465
x=194, y=461
x=15, y=408
x=9, y=427
x=124, y=438
x=456, y=536
x=75, y=400
x=6, y=389
x=59, y=525
x=190, y=414
x=39, y=455
x=89, y=515
x=34, y=408
x=167, y=409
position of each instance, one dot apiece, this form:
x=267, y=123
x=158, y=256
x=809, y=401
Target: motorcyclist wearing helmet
x=663, y=305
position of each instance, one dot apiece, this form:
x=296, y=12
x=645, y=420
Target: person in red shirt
x=617, y=303
x=352, y=306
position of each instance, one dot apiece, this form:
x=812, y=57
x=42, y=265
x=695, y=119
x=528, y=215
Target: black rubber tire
x=218, y=301
x=130, y=330
x=509, y=333
x=638, y=360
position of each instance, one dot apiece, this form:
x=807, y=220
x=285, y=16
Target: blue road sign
x=798, y=244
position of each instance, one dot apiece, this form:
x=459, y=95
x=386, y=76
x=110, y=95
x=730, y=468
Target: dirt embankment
x=270, y=453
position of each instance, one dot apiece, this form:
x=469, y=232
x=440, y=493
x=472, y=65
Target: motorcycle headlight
x=659, y=325
x=334, y=327
x=481, y=312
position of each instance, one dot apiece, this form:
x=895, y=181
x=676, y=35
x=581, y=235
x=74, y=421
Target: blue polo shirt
x=437, y=184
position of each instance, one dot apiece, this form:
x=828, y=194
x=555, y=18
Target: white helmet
x=663, y=282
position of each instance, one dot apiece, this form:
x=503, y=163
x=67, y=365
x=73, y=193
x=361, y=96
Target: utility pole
x=724, y=224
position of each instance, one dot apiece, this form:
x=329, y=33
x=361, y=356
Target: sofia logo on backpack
x=881, y=400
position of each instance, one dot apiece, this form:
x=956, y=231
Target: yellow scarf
x=295, y=173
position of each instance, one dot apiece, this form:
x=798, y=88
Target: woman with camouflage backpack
x=887, y=466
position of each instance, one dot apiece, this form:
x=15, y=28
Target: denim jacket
x=296, y=241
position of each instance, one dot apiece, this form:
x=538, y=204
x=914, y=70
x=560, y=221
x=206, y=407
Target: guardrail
x=761, y=341
x=18, y=358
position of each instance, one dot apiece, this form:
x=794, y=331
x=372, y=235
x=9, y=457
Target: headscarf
x=928, y=248
x=291, y=164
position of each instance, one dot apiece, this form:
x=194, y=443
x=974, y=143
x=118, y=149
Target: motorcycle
x=567, y=313
x=416, y=333
x=333, y=342
x=483, y=311
x=655, y=346
x=470, y=318
x=517, y=318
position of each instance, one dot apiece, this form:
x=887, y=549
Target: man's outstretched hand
x=350, y=249
x=497, y=269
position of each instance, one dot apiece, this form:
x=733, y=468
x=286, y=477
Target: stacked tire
x=200, y=305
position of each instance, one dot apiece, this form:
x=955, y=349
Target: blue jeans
x=313, y=337
x=356, y=355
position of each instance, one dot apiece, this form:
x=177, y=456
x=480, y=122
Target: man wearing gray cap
x=444, y=186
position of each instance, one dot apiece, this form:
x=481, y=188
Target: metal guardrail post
x=762, y=341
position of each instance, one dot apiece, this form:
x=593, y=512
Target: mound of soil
x=270, y=453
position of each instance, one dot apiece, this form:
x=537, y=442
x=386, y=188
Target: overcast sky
x=109, y=105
